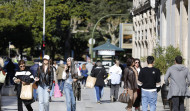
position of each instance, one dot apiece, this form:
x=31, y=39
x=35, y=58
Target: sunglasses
x=22, y=66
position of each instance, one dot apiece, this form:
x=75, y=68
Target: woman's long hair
x=43, y=67
x=72, y=67
x=136, y=59
x=83, y=67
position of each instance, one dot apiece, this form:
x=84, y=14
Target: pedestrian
x=44, y=79
x=54, y=81
x=84, y=72
x=138, y=100
x=10, y=69
x=55, y=64
x=3, y=72
x=149, y=81
x=23, y=77
x=130, y=82
x=89, y=66
x=33, y=70
x=115, y=73
x=71, y=75
x=100, y=73
x=178, y=78
x=59, y=73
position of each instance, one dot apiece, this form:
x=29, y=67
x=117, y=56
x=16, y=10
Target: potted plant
x=164, y=58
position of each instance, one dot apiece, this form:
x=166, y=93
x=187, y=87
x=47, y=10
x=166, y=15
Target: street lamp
x=43, y=40
x=91, y=46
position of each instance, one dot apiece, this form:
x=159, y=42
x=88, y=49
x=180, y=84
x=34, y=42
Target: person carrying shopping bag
x=21, y=78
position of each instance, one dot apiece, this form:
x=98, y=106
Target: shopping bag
x=57, y=92
x=26, y=92
x=124, y=97
x=2, y=77
x=34, y=85
x=90, y=82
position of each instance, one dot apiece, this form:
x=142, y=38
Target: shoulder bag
x=90, y=82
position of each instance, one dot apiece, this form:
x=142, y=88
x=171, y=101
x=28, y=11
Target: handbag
x=57, y=92
x=2, y=77
x=34, y=85
x=26, y=92
x=91, y=81
x=124, y=97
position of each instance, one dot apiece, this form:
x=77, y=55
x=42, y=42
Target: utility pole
x=43, y=41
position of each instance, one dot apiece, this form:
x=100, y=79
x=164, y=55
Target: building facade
x=175, y=26
x=163, y=22
x=145, y=22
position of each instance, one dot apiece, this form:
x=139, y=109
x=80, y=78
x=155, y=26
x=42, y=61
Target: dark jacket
x=34, y=69
x=18, y=87
x=101, y=74
x=45, y=77
x=130, y=79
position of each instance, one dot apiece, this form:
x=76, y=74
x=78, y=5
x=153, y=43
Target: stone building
x=174, y=25
x=145, y=21
x=164, y=22
x=161, y=21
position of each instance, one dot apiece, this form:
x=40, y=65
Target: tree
x=164, y=57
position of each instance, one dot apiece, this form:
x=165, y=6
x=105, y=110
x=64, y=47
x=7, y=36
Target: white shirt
x=115, y=74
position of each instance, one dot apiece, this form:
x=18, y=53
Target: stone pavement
x=88, y=103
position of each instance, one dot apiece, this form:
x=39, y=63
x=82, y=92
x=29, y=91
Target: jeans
x=178, y=103
x=70, y=99
x=43, y=96
x=98, y=92
x=61, y=84
x=114, y=90
x=84, y=80
x=52, y=90
x=35, y=94
x=149, y=98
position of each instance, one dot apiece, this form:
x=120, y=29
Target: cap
x=46, y=57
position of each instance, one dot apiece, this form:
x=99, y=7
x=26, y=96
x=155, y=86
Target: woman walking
x=23, y=77
x=100, y=73
x=130, y=82
x=71, y=75
x=45, y=81
x=84, y=72
x=138, y=100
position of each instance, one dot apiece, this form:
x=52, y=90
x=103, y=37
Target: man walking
x=179, y=81
x=149, y=81
x=115, y=77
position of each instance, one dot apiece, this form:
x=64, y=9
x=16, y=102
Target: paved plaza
x=87, y=103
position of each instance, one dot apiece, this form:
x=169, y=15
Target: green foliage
x=165, y=57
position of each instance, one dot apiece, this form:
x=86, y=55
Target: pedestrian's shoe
x=112, y=99
x=98, y=102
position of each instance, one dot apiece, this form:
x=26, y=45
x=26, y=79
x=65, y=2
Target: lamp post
x=43, y=40
x=91, y=46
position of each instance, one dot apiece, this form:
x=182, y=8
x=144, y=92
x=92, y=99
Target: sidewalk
x=88, y=103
